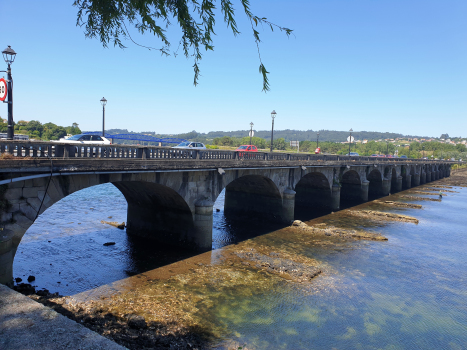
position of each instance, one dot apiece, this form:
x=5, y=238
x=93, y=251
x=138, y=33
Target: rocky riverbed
x=399, y=204
x=329, y=230
x=379, y=215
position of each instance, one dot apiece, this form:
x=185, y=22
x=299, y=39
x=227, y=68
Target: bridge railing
x=43, y=149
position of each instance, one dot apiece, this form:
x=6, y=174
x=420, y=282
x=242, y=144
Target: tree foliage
x=48, y=131
x=107, y=20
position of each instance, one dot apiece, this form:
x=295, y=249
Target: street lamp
x=251, y=131
x=103, y=103
x=273, y=115
x=387, y=147
x=9, y=56
x=350, y=139
x=317, y=139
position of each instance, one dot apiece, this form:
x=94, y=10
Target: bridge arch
x=351, y=187
x=157, y=212
x=254, y=194
x=313, y=190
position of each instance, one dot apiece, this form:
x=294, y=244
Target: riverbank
x=26, y=324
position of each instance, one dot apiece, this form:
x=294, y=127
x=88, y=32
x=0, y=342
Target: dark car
x=403, y=156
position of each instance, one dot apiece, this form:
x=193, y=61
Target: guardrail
x=38, y=149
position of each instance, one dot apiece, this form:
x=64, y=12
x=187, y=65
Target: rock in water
x=137, y=322
x=31, y=278
x=109, y=243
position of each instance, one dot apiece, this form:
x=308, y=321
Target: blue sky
x=379, y=65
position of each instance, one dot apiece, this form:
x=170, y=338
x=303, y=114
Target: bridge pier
x=203, y=224
x=288, y=206
x=408, y=181
x=386, y=188
x=428, y=176
x=399, y=184
x=416, y=180
x=7, y=254
x=335, y=197
x=423, y=177
x=364, y=190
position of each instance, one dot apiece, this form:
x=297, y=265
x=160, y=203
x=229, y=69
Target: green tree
x=35, y=127
x=3, y=126
x=107, y=21
x=73, y=129
x=53, y=132
x=280, y=144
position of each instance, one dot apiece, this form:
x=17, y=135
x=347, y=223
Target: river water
x=409, y=292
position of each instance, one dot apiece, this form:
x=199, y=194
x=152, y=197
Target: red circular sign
x=3, y=89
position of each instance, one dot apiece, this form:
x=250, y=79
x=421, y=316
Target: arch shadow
x=375, y=188
x=351, y=190
x=253, y=196
x=313, y=196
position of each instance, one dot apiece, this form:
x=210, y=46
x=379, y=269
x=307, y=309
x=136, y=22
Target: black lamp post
x=317, y=140
x=273, y=115
x=251, y=131
x=387, y=148
x=423, y=147
x=350, y=139
x=9, y=56
x=103, y=102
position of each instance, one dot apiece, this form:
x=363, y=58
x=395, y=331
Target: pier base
x=203, y=224
x=288, y=206
x=335, y=197
x=386, y=188
x=416, y=180
x=364, y=190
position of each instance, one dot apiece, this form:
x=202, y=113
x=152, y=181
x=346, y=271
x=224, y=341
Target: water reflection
x=407, y=293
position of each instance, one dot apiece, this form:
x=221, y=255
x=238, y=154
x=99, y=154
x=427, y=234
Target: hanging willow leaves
x=106, y=20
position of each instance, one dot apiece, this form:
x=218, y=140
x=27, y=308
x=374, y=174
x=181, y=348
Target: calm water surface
x=407, y=293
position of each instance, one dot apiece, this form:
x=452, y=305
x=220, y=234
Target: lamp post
x=9, y=56
x=317, y=139
x=251, y=131
x=273, y=115
x=423, y=147
x=103, y=102
x=387, y=148
x=350, y=139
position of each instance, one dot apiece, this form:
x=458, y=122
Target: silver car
x=85, y=139
x=190, y=145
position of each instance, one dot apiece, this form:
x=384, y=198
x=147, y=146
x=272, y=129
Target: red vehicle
x=246, y=148
x=317, y=150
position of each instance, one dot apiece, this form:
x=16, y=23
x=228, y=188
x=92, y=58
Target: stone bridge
x=170, y=193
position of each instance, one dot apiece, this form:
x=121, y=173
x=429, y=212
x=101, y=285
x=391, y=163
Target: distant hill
x=288, y=135
x=308, y=135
